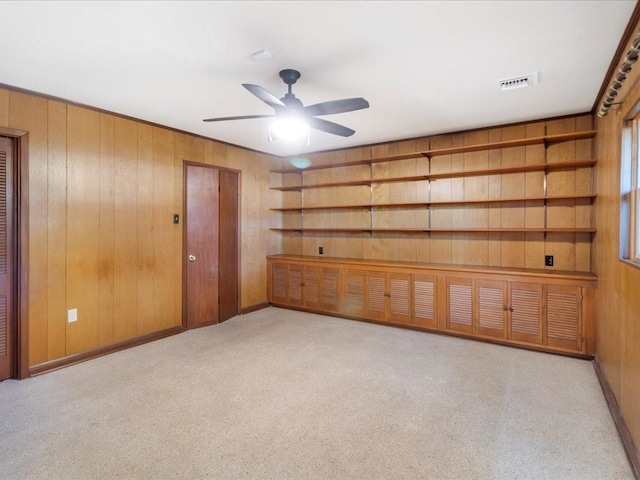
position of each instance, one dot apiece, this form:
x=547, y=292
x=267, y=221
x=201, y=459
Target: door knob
x=192, y=258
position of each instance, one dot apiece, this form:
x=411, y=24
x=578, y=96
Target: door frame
x=21, y=239
x=185, y=164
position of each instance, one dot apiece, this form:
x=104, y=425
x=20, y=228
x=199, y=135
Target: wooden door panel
x=492, y=308
x=399, y=298
x=279, y=283
x=201, y=246
x=459, y=304
x=229, y=266
x=330, y=290
x=563, y=307
x=312, y=282
x=526, y=313
x=355, y=297
x=295, y=285
x=424, y=301
x=376, y=295
x=7, y=330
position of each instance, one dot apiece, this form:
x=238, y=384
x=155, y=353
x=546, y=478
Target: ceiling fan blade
x=264, y=95
x=330, y=127
x=241, y=117
x=336, y=106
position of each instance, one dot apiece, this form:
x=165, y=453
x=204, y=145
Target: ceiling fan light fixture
x=289, y=128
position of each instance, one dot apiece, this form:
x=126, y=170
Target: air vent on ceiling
x=519, y=82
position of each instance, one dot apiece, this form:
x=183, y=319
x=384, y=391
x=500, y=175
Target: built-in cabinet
x=532, y=308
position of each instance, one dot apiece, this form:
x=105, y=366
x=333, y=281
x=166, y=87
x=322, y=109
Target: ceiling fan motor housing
x=289, y=76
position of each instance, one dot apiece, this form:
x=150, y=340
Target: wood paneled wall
x=618, y=346
x=571, y=251
x=102, y=191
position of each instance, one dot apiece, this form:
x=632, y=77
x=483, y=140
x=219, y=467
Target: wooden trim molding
x=22, y=248
x=624, y=39
x=99, y=352
x=254, y=308
x=627, y=440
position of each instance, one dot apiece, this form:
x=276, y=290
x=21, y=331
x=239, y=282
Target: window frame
x=630, y=189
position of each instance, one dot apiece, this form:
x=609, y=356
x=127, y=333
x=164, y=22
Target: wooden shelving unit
x=545, y=140
x=590, y=196
x=437, y=230
x=545, y=167
x=429, y=205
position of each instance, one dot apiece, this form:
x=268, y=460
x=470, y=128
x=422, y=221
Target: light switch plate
x=72, y=315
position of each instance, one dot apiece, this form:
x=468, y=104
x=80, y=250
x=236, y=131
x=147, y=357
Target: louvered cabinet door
x=399, y=304
x=311, y=287
x=331, y=289
x=279, y=283
x=376, y=295
x=563, y=317
x=424, y=301
x=355, y=299
x=294, y=285
x=459, y=304
x=526, y=313
x=492, y=308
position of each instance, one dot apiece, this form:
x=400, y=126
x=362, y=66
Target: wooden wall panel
x=179, y=152
x=618, y=300
x=4, y=106
x=30, y=113
x=83, y=227
x=57, y=230
x=145, y=262
x=107, y=228
x=102, y=191
x=126, y=235
x=163, y=272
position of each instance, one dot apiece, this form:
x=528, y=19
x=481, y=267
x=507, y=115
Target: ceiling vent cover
x=519, y=82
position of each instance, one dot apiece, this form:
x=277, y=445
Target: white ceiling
x=425, y=67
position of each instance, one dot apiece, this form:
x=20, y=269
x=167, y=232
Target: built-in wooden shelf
x=436, y=230
x=435, y=176
x=437, y=203
x=545, y=140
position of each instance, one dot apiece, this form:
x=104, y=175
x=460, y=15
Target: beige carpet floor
x=278, y=394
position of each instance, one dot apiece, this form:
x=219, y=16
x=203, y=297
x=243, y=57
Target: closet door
x=7, y=334
x=229, y=258
x=201, y=265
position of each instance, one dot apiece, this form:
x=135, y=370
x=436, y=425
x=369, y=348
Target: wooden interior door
x=229, y=255
x=7, y=327
x=202, y=245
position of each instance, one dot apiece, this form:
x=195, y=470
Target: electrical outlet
x=548, y=260
x=72, y=315
x=320, y=250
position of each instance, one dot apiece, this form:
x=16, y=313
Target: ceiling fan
x=290, y=110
